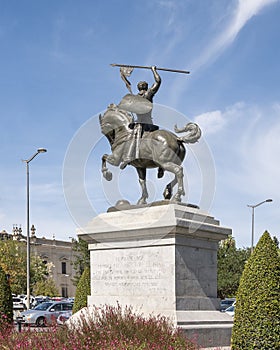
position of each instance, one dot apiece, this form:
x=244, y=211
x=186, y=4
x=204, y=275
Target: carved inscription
x=143, y=273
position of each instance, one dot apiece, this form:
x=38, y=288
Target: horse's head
x=114, y=119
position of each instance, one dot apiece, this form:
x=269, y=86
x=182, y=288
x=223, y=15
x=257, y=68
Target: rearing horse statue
x=156, y=149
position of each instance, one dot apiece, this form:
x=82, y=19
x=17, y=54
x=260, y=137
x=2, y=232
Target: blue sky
x=56, y=78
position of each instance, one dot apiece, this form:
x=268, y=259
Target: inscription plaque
x=126, y=272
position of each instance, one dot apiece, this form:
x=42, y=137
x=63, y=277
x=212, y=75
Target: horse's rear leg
x=142, y=180
x=167, y=193
x=177, y=170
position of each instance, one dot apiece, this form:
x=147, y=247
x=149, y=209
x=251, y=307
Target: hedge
x=82, y=292
x=257, y=310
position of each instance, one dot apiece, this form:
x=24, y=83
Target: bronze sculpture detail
x=140, y=143
x=144, y=103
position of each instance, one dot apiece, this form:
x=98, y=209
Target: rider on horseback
x=144, y=121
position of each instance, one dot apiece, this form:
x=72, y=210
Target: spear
x=147, y=67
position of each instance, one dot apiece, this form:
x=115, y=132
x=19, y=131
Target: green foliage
x=82, y=291
x=81, y=258
x=231, y=262
x=6, y=300
x=257, y=311
x=13, y=262
x=46, y=287
x=38, y=270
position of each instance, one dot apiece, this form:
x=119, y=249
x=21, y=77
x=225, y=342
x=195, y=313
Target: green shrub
x=6, y=300
x=257, y=311
x=82, y=292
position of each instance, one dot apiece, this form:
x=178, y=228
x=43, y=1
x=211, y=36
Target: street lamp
x=27, y=161
x=253, y=219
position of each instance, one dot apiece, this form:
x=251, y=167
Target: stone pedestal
x=160, y=259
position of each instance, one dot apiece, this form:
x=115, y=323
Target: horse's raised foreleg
x=177, y=170
x=113, y=159
x=142, y=180
x=106, y=173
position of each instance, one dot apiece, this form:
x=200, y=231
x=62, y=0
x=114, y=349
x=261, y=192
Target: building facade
x=57, y=253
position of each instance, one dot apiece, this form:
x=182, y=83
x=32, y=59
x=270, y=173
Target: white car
x=18, y=303
x=230, y=310
x=18, y=307
x=24, y=299
x=45, y=313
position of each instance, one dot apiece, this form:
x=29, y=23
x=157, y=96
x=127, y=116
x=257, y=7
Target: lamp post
x=253, y=219
x=27, y=161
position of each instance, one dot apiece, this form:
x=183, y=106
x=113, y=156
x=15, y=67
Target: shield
x=135, y=104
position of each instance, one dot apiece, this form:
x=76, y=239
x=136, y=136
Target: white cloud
x=249, y=136
x=214, y=121
x=261, y=157
x=245, y=10
x=210, y=122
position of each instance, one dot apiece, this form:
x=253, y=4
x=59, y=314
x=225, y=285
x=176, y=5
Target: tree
x=82, y=291
x=13, y=262
x=231, y=262
x=81, y=258
x=257, y=311
x=6, y=300
x=46, y=287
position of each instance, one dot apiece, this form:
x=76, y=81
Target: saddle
x=145, y=127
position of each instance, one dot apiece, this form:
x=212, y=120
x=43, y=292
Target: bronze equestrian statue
x=157, y=149
x=140, y=143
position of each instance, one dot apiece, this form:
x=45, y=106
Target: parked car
x=23, y=297
x=230, y=310
x=64, y=317
x=18, y=303
x=39, y=300
x=45, y=313
x=18, y=307
x=71, y=300
x=225, y=303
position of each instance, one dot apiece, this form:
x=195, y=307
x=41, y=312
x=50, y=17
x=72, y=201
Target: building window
x=64, y=292
x=63, y=268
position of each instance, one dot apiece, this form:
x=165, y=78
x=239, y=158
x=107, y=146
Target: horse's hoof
x=167, y=194
x=176, y=199
x=108, y=175
x=141, y=202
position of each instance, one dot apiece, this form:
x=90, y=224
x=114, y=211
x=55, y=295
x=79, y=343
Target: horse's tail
x=193, y=133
